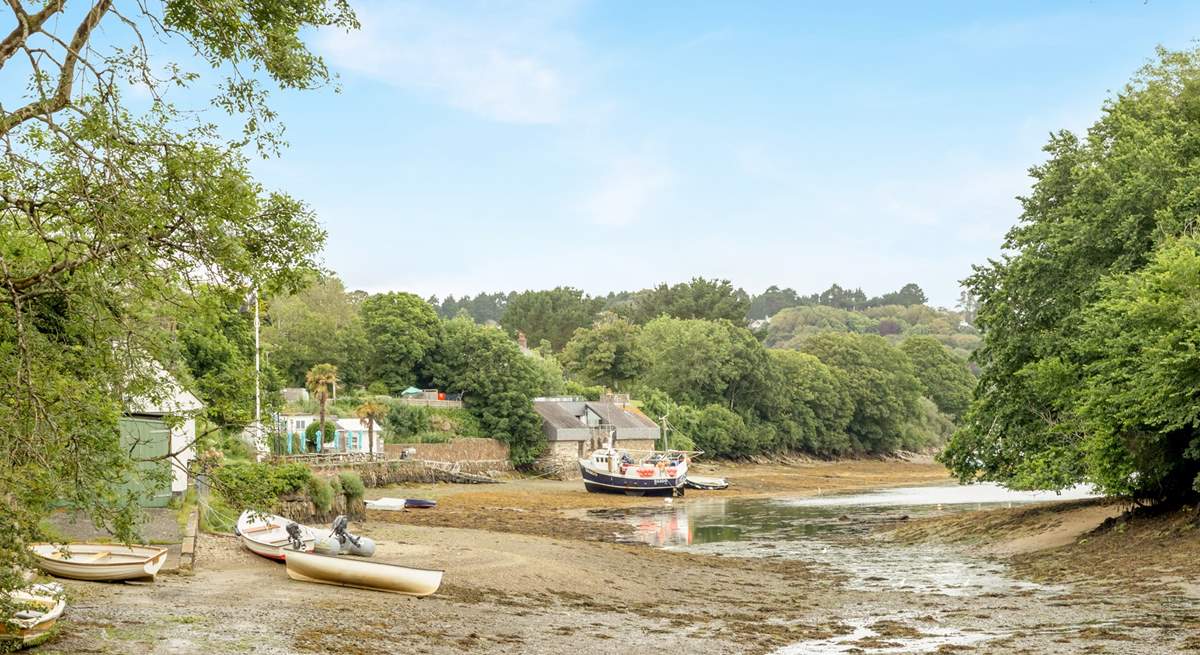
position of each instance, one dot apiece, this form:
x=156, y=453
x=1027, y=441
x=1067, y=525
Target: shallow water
x=836, y=532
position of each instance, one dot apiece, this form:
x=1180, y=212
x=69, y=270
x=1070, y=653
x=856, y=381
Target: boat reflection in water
x=677, y=525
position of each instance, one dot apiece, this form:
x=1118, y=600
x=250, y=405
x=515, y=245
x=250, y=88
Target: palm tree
x=369, y=413
x=318, y=381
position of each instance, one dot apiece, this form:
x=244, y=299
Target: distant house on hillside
x=574, y=428
x=294, y=395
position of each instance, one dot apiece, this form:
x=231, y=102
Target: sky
x=485, y=146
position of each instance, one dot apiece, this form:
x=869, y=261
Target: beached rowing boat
x=38, y=609
x=396, y=504
x=705, y=483
x=363, y=574
x=267, y=535
x=99, y=562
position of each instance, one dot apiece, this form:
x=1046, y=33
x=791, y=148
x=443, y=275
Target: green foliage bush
x=351, y=485
x=310, y=433
x=320, y=492
x=258, y=485
x=407, y=420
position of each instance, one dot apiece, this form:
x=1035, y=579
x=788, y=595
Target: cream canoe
x=266, y=534
x=40, y=608
x=364, y=574
x=99, y=562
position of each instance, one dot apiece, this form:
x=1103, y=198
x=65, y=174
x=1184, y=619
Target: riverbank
x=528, y=572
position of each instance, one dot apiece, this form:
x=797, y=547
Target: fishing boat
x=38, y=608
x=99, y=562
x=267, y=534
x=635, y=473
x=706, y=483
x=362, y=574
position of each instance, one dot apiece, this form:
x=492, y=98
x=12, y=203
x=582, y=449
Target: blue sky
x=615, y=145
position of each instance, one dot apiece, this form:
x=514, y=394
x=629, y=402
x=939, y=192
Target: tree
x=769, y=302
x=944, y=377
x=369, y=413
x=909, y=294
x=108, y=212
x=1100, y=207
x=401, y=329
x=880, y=380
x=319, y=323
x=319, y=380
x=553, y=315
x=607, y=353
x=698, y=299
x=815, y=406
x=498, y=384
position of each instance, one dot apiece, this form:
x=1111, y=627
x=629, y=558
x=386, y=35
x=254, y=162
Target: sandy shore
x=523, y=576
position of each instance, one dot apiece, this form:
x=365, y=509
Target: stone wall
x=461, y=450
x=381, y=473
x=302, y=510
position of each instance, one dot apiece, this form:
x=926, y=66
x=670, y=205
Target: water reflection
x=833, y=530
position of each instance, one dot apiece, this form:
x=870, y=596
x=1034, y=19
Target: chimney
x=521, y=341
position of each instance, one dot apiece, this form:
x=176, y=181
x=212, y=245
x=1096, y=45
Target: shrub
x=406, y=420
x=352, y=485
x=310, y=434
x=321, y=493
x=574, y=388
x=377, y=388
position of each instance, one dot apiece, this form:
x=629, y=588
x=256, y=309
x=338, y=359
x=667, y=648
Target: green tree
x=944, y=377
x=769, y=302
x=607, y=353
x=111, y=210
x=880, y=380
x=319, y=323
x=401, y=328
x=1138, y=405
x=497, y=381
x=320, y=379
x=553, y=315
x=815, y=406
x=698, y=299
x=1099, y=207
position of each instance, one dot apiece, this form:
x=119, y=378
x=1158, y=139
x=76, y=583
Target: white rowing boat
x=38, y=609
x=266, y=534
x=99, y=562
x=363, y=574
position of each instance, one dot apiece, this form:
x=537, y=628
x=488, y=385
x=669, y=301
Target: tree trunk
x=321, y=425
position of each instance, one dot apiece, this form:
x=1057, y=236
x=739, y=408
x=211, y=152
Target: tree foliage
x=498, y=383
x=400, y=328
x=607, y=353
x=111, y=215
x=319, y=323
x=944, y=377
x=1086, y=320
x=881, y=382
x=698, y=299
x=552, y=315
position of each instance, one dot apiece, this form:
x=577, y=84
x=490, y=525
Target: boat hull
x=361, y=574
x=99, y=562
x=36, y=630
x=597, y=482
x=707, y=484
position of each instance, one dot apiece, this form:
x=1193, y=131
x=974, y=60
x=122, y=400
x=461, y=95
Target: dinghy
x=99, y=562
x=708, y=484
x=363, y=574
x=38, y=609
x=267, y=534
x=395, y=504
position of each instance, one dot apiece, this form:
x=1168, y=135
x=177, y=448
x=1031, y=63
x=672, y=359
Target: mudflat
x=528, y=572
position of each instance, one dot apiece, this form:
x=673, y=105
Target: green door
x=146, y=438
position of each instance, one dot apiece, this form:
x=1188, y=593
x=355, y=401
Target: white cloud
x=503, y=67
x=627, y=192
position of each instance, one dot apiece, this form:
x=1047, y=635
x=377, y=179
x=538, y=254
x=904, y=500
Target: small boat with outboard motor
x=270, y=536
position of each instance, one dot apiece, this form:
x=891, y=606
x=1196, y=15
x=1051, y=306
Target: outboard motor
x=351, y=544
x=295, y=537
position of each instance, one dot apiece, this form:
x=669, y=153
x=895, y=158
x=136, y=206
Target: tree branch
x=26, y=26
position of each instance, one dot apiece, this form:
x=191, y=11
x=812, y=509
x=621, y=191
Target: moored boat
x=635, y=473
x=38, y=609
x=99, y=562
x=363, y=574
x=267, y=534
x=706, y=483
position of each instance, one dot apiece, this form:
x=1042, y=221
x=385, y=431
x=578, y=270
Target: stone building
x=574, y=428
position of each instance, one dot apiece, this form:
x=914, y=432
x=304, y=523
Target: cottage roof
x=567, y=414
x=560, y=414
x=620, y=417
